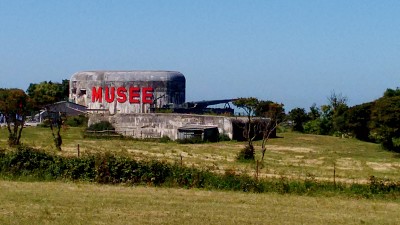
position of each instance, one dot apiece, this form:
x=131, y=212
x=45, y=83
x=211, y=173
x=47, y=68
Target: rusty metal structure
x=201, y=107
x=127, y=91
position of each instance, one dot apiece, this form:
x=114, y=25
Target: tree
x=46, y=93
x=358, y=121
x=64, y=90
x=336, y=100
x=385, y=121
x=298, y=116
x=338, y=105
x=43, y=95
x=330, y=118
x=249, y=105
x=14, y=107
x=313, y=126
x=339, y=119
x=325, y=120
x=392, y=92
x=314, y=113
x=270, y=109
x=269, y=116
x=56, y=121
x=275, y=114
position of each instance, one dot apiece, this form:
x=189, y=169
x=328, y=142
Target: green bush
x=247, y=153
x=312, y=127
x=379, y=186
x=103, y=129
x=223, y=137
x=76, y=121
x=190, y=141
x=111, y=169
x=164, y=139
x=100, y=126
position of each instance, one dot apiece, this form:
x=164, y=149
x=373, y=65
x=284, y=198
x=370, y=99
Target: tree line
x=377, y=121
x=16, y=105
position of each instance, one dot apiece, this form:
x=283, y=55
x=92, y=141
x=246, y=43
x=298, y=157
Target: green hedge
x=111, y=169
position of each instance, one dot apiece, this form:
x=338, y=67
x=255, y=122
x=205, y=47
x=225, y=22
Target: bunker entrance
x=199, y=133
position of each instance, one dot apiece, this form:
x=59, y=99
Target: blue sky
x=292, y=52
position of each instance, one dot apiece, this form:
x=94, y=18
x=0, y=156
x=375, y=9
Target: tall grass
x=112, y=169
x=83, y=203
x=293, y=155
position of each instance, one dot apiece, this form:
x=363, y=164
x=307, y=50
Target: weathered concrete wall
x=154, y=125
x=127, y=91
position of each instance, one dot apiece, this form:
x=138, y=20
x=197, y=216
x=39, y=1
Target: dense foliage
x=101, y=126
x=256, y=127
x=298, y=117
x=76, y=121
x=111, y=169
x=46, y=93
x=377, y=121
x=14, y=104
x=359, y=118
x=385, y=122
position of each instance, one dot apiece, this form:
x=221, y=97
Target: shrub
x=190, y=141
x=26, y=160
x=103, y=129
x=164, y=139
x=76, y=121
x=247, y=153
x=312, y=127
x=108, y=168
x=379, y=186
x=100, y=126
x=223, y=137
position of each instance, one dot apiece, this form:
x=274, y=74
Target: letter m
x=97, y=94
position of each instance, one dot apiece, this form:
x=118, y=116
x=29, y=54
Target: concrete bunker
x=128, y=99
x=127, y=91
x=198, y=133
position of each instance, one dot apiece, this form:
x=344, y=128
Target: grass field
x=293, y=155
x=80, y=203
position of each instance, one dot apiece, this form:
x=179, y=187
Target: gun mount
x=200, y=107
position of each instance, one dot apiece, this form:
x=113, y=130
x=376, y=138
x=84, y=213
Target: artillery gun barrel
x=205, y=104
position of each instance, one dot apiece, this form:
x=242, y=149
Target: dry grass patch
x=77, y=203
x=292, y=155
x=381, y=166
x=276, y=148
x=348, y=164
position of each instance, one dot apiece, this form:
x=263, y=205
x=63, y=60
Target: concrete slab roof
x=129, y=75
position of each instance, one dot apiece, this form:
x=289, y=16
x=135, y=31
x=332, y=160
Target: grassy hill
x=292, y=155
